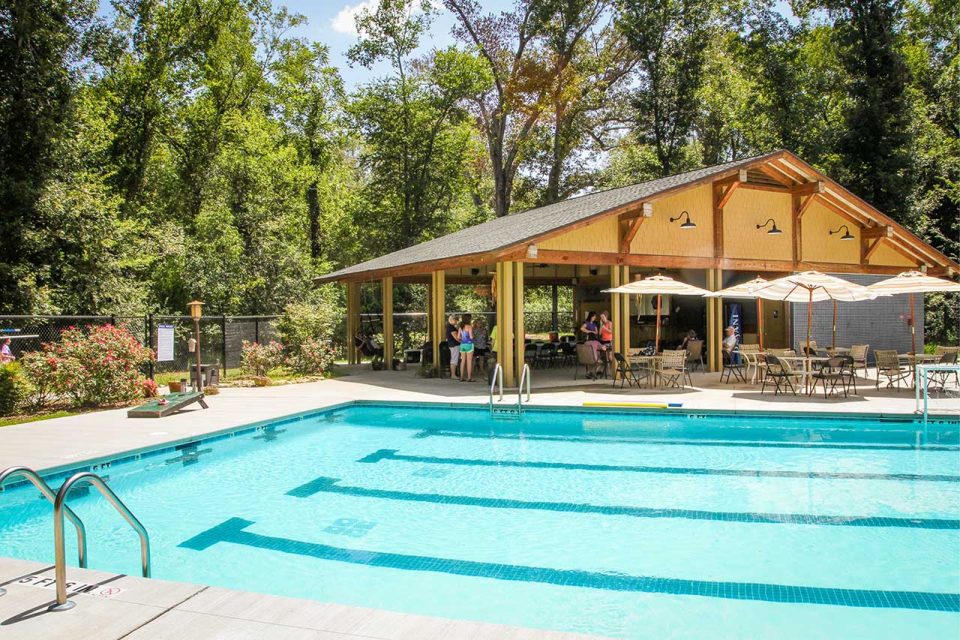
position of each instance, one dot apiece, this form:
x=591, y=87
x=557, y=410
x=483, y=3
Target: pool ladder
x=512, y=410
x=60, y=509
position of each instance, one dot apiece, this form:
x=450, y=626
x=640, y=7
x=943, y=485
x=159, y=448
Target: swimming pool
x=616, y=523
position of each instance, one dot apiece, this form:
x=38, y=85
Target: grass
x=60, y=413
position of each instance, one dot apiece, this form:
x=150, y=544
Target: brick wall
x=881, y=323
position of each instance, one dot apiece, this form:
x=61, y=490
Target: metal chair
x=547, y=355
x=836, y=370
x=731, y=368
x=941, y=377
x=628, y=372
x=889, y=367
x=780, y=374
x=673, y=371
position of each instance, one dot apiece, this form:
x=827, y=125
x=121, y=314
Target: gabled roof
x=486, y=240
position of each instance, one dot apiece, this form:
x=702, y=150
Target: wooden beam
x=727, y=192
x=806, y=204
x=718, y=199
x=837, y=209
x=808, y=188
x=759, y=186
x=645, y=210
x=629, y=227
x=869, y=251
x=386, y=298
x=774, y=172
x=880, y=231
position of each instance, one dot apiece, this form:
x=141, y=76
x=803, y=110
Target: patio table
x=652, y=363
x=913, y=359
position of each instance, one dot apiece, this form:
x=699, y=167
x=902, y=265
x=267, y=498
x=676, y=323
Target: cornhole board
x=175, y=402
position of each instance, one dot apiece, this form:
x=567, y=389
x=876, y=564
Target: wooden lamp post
x=196, y=312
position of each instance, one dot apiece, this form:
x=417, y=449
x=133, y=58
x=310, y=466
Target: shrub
x=302, y=322
x=150, y=388
x=39, y=368
x=13, y=388
x=258, y=359
x=314, y=357
x=89, y=367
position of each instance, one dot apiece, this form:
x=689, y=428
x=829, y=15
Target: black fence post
x=256, y=329
x=149, y=340
x=223, y=339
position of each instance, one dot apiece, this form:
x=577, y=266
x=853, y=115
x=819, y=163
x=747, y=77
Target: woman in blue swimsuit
x=465, y=335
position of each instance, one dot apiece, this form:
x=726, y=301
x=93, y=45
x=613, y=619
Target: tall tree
x=669, y=38
x=511, y=107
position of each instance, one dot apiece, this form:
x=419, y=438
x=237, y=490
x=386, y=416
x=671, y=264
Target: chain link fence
x=221, y=337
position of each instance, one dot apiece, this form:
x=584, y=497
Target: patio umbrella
x=913, y=282
x=746, y=290
x=813, y=286
x=658, y=286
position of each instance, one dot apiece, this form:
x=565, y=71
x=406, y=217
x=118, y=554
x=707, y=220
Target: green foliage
x=312, y=357
x=90, y=367
x=302, y=323
x=13, y=388
x=260, y=359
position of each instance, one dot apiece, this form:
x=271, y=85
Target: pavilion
x=771, y=214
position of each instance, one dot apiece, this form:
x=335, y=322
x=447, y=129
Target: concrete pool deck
x=160, y=609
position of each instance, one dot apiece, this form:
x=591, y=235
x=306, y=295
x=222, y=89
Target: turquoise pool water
x=621, y=524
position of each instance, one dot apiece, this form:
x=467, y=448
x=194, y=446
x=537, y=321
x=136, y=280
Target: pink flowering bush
x=150, y=388
x=313, y=357
x=259, y=359
x=93, y=366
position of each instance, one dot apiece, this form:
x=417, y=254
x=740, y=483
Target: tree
x=668, y=37
x=508, y=110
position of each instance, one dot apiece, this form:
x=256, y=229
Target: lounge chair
x=889, y=367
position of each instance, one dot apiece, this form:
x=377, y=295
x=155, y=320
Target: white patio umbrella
x=813, y=286
x=913, y=282
x=746, y=290
x=658, y=286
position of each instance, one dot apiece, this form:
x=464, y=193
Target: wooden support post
x=714, y=321
x=386, y=299
x=718, y=220
x=353, y=321
x=616, y=300
x=624, y=339
x=438, y=312
x=796, y=214
x=720, y=323
x=519, y=330
x=505, y=340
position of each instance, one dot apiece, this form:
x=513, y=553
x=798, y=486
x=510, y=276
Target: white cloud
x=345, y=20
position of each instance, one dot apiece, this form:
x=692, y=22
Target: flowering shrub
x=150, y=388
x=96, y=366
x=258, y=359
x=40, y=369
x=313, y=357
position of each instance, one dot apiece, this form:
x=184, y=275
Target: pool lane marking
x=437, y=433
x=232, y=531
x=391, y=454
x=330, y=485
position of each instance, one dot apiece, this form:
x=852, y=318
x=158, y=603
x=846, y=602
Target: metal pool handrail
x=495, y=379
x=524, y=377
x=60, y=569
x=44, y=488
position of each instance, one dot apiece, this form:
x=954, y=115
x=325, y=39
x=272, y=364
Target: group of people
x=468, y=340
x=598, y=335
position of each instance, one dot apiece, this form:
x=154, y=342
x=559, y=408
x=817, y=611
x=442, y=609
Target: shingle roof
x=513, y=229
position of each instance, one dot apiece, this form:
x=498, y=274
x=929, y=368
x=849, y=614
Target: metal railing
x=495, y=379
x=59, y=507
x=524, y=377
x=921, y=385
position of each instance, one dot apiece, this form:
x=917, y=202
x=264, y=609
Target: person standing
x=453, y=344
x=605, y=329
x=465, y=336
x=6, y=355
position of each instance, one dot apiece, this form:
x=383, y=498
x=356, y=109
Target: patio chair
x=835, y=371
x=568, y=353
x=586, y=358
x=889, y=367
x=780, y=374
x=673, y=370
x=859, y=354
x=731, y=368
x=941, y=377
x=695, y=354
x=547, y=357
x=530, y=354
x=631, y=373
x=752, y=358
x=942, y=349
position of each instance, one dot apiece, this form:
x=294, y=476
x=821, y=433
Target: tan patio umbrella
x=746, y=290
x=658, y=286
x=813, y=286
x=913, y=282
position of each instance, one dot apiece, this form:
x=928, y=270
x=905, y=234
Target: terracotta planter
x=174, y=386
